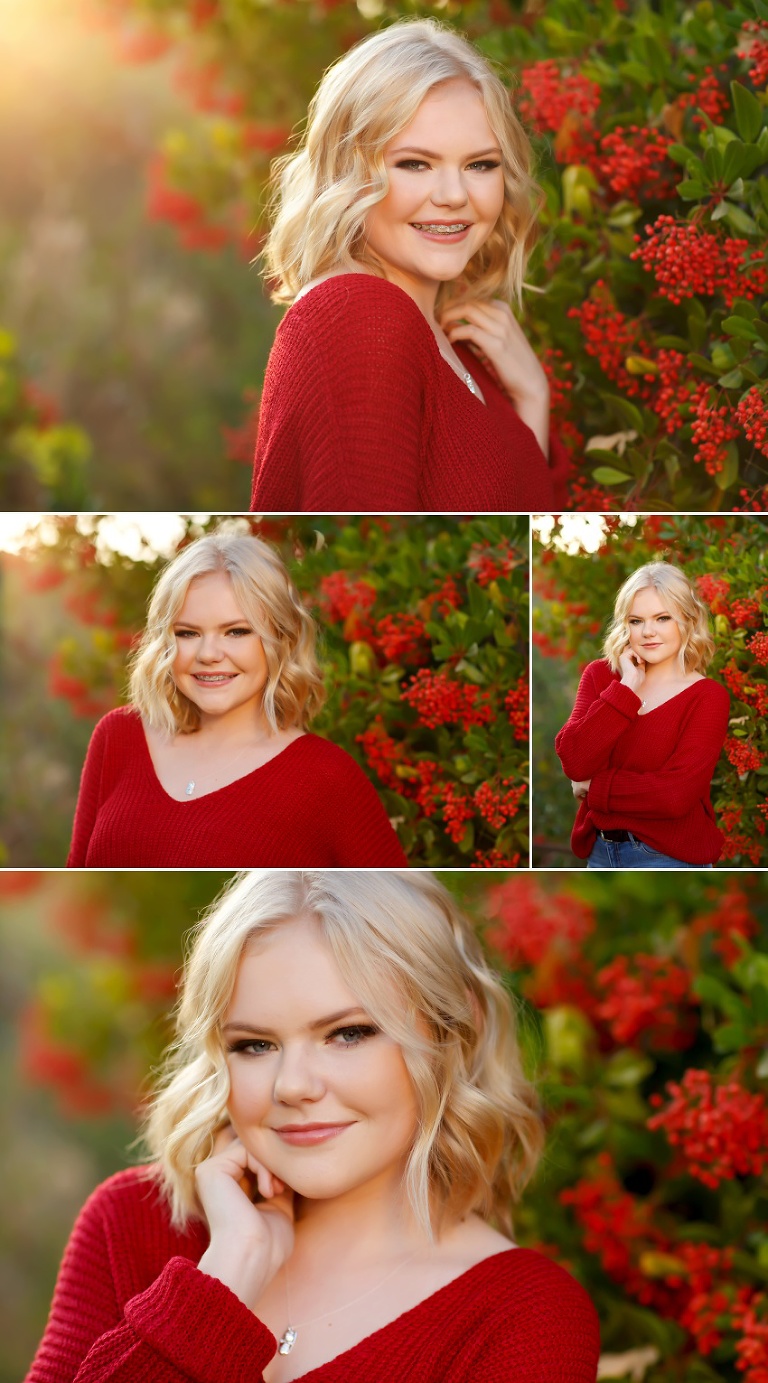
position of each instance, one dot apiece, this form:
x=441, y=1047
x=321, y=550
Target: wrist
x=244, y=1273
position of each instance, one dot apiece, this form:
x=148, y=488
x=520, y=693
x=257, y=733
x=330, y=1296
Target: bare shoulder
x=471, y=1242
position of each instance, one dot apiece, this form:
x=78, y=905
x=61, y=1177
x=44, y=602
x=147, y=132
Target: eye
x=251, y=1046
x=240, y=632
x=186, y=633
x=411, y=164
x=353, y=1036
x=484, y=165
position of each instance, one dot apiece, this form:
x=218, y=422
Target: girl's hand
x=494, y=332
x=580, y=790
x=632, y=670
x=249, y=1243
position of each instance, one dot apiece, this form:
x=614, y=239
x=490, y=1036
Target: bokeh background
x=579, y=563
x=644, y=1015
x=135, y=144
x=424, y=641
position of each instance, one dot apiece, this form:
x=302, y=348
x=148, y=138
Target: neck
x=368, y=1225
x=668, y=671
x=244, y=725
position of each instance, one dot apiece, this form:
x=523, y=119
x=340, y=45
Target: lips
x=307, y=1135
x=214, y=679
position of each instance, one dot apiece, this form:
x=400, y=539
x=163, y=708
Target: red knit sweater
x=308, y=807
x=649, y=774
x=360, y=412
x=131, y=1306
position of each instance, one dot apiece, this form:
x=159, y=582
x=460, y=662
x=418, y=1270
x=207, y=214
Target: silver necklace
x=291, y=1332
x=470, y=383
x=192, y=784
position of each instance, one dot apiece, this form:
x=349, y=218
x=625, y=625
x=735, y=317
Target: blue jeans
x=633, y=854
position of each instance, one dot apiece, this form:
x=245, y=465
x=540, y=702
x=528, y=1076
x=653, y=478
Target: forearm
x=596, y=724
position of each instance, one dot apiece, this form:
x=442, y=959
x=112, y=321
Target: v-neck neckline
x=152, y=774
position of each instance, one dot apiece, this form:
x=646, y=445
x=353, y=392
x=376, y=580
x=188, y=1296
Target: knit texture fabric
x=360, y=412
x=130, y=1306
x=309, y=807
x=650, y=774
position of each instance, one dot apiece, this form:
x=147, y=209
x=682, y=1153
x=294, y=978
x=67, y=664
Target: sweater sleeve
x=345, y=405
x=89, y=796
x=597, y=721
x=686, y=776
x=363, y=837
x=185, y=1326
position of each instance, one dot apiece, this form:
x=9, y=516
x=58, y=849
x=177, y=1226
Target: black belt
x=614, y=835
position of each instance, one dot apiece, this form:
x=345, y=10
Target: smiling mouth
x=440, y=227
x=306, y=1135
x=214, y=678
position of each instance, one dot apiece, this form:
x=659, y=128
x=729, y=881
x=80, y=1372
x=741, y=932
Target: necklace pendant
x=189, y=789
x=287, y=1340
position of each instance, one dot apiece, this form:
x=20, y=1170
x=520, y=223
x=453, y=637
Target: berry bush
x=644, y=1014
x=650, y=278
x=725, y=558
x=42, y=459
x=424, y=638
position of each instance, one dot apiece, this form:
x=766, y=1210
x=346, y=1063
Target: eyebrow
x=313, y=1027
x=653, y=616
x=426, y=153
x=229, y=624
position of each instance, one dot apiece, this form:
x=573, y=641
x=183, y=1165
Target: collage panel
x=649, y=746
x=585, y=1075
x=255, y=692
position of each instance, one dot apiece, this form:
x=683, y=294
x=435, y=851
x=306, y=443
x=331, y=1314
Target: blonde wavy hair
x=270, y=603
x=697, y=646
x=322, y=193
x=405, y=949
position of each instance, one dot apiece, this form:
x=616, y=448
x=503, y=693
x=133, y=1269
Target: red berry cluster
x=549, y=97
x=437, y=700
x=686, y=260
x=715, y=591
x=517, y=703
x=752, y=416
x=619, y=1229
x=750, y=1318
x=496, y=806
x=754, y=47
x=743, y=755
x=489, y=563
x=634, y=163
x=402, y=639
x=341, y=595
x=531, y=924
x=610, y=337
x=731, y=917
x=744, y=613
x=649, y=998
x=721, y=1130
x=711, y=430
x=758, y=647
x=708, y=96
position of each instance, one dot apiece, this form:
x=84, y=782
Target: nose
x=297, y=1077
x=449, y=189
x=211, y=648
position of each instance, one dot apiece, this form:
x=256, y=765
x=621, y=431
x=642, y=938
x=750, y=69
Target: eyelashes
x=239, y=632
x=352, y=1035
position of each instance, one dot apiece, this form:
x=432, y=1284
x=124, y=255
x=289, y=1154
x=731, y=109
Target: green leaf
x=733, y=380
x=701, y=363
x=608, y=475
x=690, y=190
x=715, y=992
x=740, y=220
x=731, y=1037
x=749, y=112
x=730, y=472
x=737, y=326
x=627, y=412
